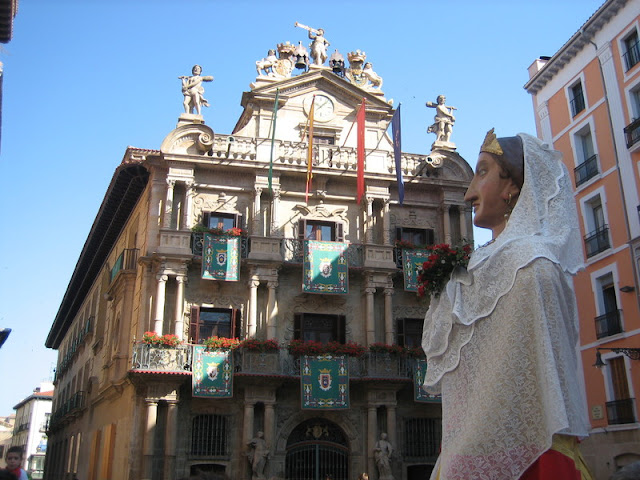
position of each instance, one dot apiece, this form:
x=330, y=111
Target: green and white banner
x=325, y=267
x=212, y=373
x=220, y=257
x=325, y=382
x=412, y=260
x=418, y=380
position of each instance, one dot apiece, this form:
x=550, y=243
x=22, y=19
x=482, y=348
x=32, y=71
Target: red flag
x=310, y=152
x=360, y=121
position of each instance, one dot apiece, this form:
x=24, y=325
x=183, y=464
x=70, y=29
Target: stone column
x=179, y=320
x=272, y=310
x=388, y=316
x=275, y=213
x=168, y=205
x=391, y=425
x=368, y=234
x=463, y=222
x=247, y=432
x=386, y=223
x=170, y=440
x=149, y=434
x=447, y=224
x=190, y=192
x=255, y=229
x=253, y=305
x=269, y=426
x=372, y=432
x=160, y=292
x=371, y=334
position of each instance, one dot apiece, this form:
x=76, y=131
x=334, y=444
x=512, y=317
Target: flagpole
x=273, y=139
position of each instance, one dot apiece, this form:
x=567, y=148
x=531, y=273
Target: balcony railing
x=586, y=170
x=293, y=252
x=577, y=104
x=621, y=411
x=162, y=359
x=632, y=133
x=72, y=405
x=608, y=324
x=631, y=56
x=127, y=260
x=373, y=365
x=597, y=241
x=197, y=241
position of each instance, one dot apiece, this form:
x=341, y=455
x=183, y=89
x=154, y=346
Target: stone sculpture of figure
x=382, y=455
x=193, y=90
x=257, y=456
x=374, y=78
x=266, y=64
x=443, y=121
x=318, y=45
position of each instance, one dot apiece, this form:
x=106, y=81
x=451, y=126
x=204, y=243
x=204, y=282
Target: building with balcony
x=586, y=99
x=6, y=432
x=30, y=428
x=126, y=408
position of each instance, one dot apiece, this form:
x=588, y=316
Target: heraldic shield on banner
x=411, y=265
x=212, y=373
x=420, y=394
x=325, y=267
x=221, y=258
x=325, y=382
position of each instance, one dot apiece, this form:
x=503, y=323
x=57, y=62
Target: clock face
x=322, y=108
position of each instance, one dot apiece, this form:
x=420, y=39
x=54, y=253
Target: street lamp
x=632, y=353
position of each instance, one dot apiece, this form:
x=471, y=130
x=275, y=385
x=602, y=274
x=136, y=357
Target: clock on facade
x=322, y=109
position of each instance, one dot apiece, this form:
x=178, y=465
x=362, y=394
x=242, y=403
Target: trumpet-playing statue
x=193, y=90
x=319, y=44
x=443, y=120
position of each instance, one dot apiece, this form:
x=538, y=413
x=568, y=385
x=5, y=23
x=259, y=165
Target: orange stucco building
x=586, y=98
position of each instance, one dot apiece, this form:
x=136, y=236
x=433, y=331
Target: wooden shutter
x=193, y=324
x=239, y=221
x=205, y=218
x=619, y=378
x=297, y=326
x=340, y=329
x=431, y=237
x=236, y=317
x=302, y=228
x=339, y=232
x=400, y=331
x=398, y=233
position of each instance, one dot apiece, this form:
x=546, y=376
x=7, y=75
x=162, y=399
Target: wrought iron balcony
x=127, y=260
x=197, y=241
x=293, y=252
x=577, y=104
x=162, y=359
x=597, y=241
x=621, y=411
x=608, y=324
x=586, y=170
x=632, y=133
x=631, y=56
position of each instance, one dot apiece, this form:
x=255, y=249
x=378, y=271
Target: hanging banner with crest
x=420, y=395
x=212, y=373
x=325, y=267
x=412, y=260
x=221, y=258
x=325, y=382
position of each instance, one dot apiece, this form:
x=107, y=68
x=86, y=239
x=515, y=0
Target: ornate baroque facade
x=127, y=410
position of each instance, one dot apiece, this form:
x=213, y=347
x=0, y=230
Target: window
x=608, y=323
x=632, y=50
x=409, y=332
x=209, y=322
x=422, y=437
x=320, y=230
x=597, y=240
x=587, y=159
x=576, y=98
x=224, y=221
x=620, y=408
x=319, y=327
x=209, y=435
x=416, y=236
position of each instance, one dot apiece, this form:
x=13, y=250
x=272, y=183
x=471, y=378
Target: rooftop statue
x=319, y=44
x=193, y=90
x=442, y=122
x=267, y=64
x=374, y=78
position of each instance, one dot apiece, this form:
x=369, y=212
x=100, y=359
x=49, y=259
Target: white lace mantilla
x=501, y=339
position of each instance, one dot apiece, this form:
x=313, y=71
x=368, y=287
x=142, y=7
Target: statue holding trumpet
x=319, y=44
x=443, y=120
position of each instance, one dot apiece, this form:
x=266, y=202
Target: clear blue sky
x=84, y=79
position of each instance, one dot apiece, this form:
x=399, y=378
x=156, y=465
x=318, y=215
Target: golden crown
x=490, y=144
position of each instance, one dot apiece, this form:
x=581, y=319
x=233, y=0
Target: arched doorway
x=317, y=448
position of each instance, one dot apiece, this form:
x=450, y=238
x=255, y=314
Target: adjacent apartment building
x=125, y=405
x=586, y=98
